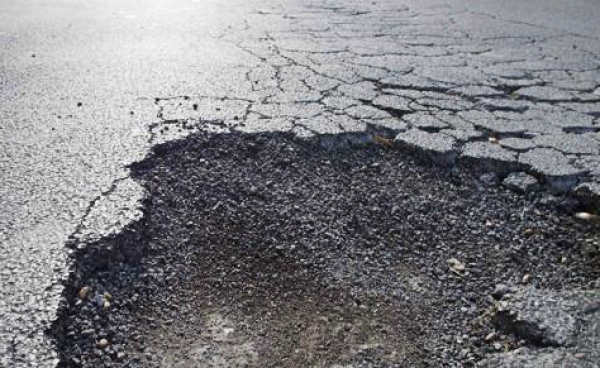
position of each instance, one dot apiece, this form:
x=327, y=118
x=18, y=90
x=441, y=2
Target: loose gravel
x=267, y=250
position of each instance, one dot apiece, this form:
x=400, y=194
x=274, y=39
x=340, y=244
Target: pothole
x=266, y=250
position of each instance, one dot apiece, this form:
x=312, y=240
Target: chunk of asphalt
x=565, y=324
x=434, y=146
x=424, y=121
x=542, y=317
x=392, y=102
x=559, y=173
x=544, y=93
x=565, y=119
x=521, y=182
x=504, y=105
x=490, y=122
x=569, y=143
x=517, y=144
x=462, y=135
x=489, y=157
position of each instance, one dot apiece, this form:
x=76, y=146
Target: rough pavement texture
x=87, y=87
x=263, y=250
x=567, y=321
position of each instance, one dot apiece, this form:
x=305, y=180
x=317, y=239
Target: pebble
x=528, y=232
x=84, y=292
x=580, y=355
x=587, y=216
x=490, y=337
x=455, y=265
x=526, y=278
x=102, y=343
x=88, y=332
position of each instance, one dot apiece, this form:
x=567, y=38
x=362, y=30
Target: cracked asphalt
x=87, y=88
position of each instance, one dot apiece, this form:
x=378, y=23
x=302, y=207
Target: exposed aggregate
x=265, y=250
x=450, y=82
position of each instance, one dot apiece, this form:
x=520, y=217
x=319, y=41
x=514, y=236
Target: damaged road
x=508, y=92
x=263, y=250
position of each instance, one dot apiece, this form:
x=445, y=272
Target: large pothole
x=269, y=251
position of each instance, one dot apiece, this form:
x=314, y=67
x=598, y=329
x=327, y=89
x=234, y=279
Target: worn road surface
x=88, y=88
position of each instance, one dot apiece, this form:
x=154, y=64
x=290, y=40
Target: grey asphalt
x=88, y=87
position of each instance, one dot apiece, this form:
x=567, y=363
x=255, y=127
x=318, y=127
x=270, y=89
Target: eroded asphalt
x=88, y=88
x=265, y=250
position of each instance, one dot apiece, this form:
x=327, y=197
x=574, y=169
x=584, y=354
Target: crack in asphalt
x=384, y=69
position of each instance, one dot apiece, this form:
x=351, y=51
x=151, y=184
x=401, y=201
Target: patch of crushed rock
x=266, y=250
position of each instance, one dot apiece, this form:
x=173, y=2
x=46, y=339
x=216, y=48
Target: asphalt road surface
x=88, y=88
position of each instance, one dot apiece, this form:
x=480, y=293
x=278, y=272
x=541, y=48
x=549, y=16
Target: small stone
x=102, y=343
x=455, y=265
x=563, y=260
x=526, y=278
x=120, y=355
x=490, y=337
x=493, y=140
x=498, y=346
x=84, y=292
x=79, y=104
x=88, y=332
x=521, y=182
x=106, y=305
x=108, y=296
x=580, y=355
x=587, y=216
x=528, y=232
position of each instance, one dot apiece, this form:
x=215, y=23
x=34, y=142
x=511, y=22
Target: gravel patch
x=266, y=251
